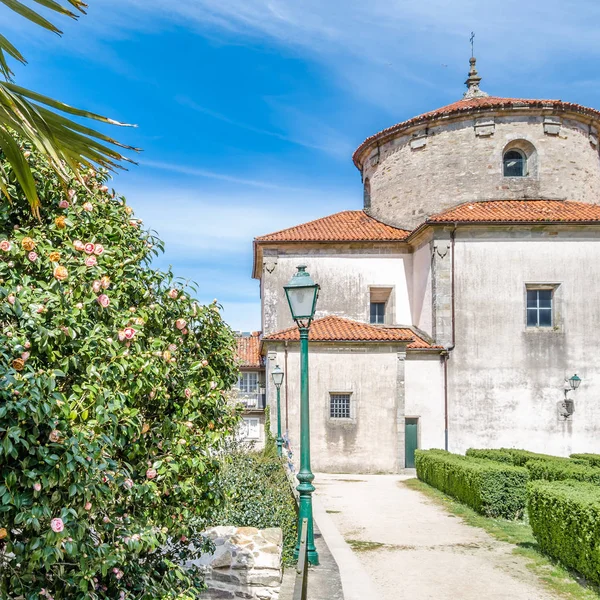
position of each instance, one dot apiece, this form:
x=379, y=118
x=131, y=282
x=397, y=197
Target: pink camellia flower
x=88, y=206
x=57, y=525
x=32, y=256
x=173, y=294
x=89, y=248
x=180, y=324
x=128, y=483
x=172, y=347
x=188, y=393
x=11, y=299
x=91, y=261
x=103, y=188
x=27, y=344
x=103, y=300
x=205, y=363
x=133, y=223
x=79, y=245
x=71, y=194
x=183, y=538
x=99, y=249
x=41, y=308
x=63, y=204
x=129, y=332
x=106, y=519
x=151, y=473
x=54, y=435
x=96, y=286
x=5, y=245
x=25, y=355
x=37, y=486
x=79, y=305
x=121, y=335
x=88, y=506
x=184, y=332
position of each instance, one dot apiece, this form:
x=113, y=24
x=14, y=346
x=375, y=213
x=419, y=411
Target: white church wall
x=421, y=289
x=506, y=380
x=368, y=441
x=424, y=386
x=345, y=277
x=455, y=164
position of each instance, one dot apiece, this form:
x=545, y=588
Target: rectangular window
x=377, y=312
x=539, y=307
x=250, y=429
x=248, y=383
x=339, y=406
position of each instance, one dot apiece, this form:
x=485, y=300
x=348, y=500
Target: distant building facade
x=250, y=389
x=455, y=306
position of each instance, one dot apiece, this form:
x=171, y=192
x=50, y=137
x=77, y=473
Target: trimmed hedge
x=592, y=459
x=560, y=470
x=491, y=488
x=502, y=456
x=565, y=519
x=521, y=457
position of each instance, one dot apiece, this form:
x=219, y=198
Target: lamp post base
x=305, y=489
x=279, y=447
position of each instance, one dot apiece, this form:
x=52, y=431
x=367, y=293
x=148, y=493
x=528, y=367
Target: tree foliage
x=112, y=401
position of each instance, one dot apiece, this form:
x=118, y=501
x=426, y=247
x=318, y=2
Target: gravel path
x=427, y=553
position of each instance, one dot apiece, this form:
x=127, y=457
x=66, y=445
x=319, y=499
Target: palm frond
x=36, y=119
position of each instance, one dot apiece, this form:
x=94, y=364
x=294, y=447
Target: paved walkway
x=426, y=554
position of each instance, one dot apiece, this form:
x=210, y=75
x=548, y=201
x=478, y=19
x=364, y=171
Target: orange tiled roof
x=346, y=226
x=520, y=211
x=248, y=350
x=337, y=329
x=477, y=104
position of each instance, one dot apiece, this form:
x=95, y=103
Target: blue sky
x=248, y=110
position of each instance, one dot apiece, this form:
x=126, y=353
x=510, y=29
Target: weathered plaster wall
x=457, y=164
x=345, y=276
x=506, y=380
x=369, y=441
x=425, y=397
x=421, y=288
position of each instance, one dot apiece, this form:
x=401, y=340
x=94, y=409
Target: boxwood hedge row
x=592, y=459
x=560, y=470
x=502, y=456
x=491, y=488
x=565, y=519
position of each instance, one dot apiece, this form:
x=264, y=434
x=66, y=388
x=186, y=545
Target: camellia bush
x=113, y=403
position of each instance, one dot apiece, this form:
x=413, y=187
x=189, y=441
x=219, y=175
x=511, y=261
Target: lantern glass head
x=574, y=382
x=301, y=293
x=277, y=375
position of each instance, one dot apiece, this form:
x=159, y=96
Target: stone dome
x=480, y=148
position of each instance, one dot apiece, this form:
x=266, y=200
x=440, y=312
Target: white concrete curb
x=356, y=583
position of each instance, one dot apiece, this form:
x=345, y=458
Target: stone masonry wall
x=458, y=162
x=246, y=564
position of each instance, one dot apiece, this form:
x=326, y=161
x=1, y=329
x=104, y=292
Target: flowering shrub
x=112, y=401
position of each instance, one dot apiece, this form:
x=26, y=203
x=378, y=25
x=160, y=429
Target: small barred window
x=339, y=406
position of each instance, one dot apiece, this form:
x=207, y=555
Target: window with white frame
x=248, y=382
x=540, y=306
x=339, y=406
x=249, y=429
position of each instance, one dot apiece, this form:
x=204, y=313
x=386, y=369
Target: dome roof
x=475, y=101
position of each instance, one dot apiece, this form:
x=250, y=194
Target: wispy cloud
x=331, y=145
x=204, y=173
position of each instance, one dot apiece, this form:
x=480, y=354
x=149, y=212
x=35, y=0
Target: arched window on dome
x=515, y=163
x=367, y=194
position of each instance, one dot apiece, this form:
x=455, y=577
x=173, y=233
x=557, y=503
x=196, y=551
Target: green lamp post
x=277, y=376
x=301, y=293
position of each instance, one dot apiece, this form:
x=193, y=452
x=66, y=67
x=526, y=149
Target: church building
x=456, y=307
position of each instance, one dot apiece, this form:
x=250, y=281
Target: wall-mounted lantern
x=569, y=406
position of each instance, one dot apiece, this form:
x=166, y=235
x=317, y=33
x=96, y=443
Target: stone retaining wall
x=246, y=563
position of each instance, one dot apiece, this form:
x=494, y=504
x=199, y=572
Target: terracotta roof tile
x=520, y=211
x=474, y=105
x=337, y=329
x=248, y=350
x=346, y=226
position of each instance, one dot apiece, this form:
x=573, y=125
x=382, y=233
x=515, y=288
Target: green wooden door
x=411, y=442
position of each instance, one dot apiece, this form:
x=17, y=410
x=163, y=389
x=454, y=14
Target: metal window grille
x=539, y=308
x=339, y=406
x=377, y=312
